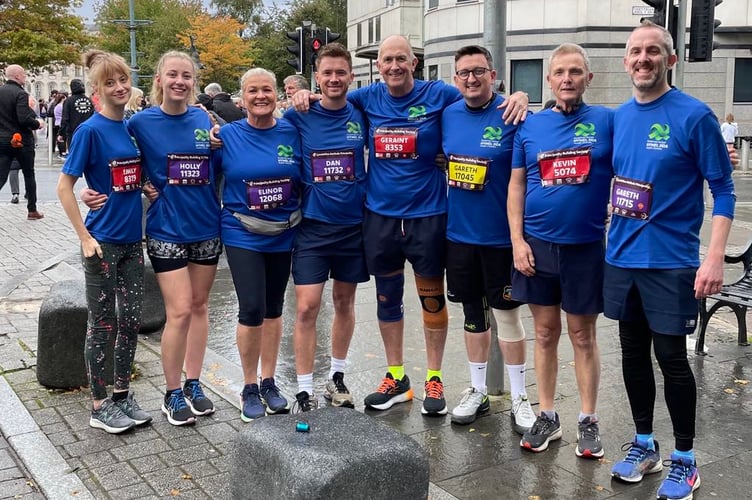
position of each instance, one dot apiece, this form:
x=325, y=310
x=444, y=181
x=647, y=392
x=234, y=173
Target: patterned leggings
x=118, y=274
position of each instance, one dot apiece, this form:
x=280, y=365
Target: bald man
x=17, y=117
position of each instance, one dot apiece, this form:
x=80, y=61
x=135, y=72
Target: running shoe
x=177, y=410
x=522, y=415
x=337, y=392
x=472, y=404
x=588, y=439
x=131, y=408
x=639, y=461
x=196, y=399
x=389, y=393
x=304, y=402
x=252, y=406
x=110, y=418
x=682, y=480
x=543, y=431
x=275, y=402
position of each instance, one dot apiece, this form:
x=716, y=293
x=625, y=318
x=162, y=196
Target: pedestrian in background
x=729, y=130
x=103, y=151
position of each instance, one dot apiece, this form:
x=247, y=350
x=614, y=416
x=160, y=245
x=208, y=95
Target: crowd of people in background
x=442, y=159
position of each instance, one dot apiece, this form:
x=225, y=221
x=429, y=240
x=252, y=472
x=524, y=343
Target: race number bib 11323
x=126, y=174
x=187, y=169
x=564, y=166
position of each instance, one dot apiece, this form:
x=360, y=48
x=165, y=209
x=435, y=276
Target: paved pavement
x=47, y=449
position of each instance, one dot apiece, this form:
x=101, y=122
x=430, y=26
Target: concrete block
x=345, y=454
x=61, y=337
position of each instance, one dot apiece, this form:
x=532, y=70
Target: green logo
x=492, y=133
x=284, y=151
x=416, y=111
x=201, y=134
x=659, y=132
x=353, y=128
x=584, y=130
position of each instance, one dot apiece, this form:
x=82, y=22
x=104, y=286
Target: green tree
x=245, y=11
x=38, y=34
x=168, y=17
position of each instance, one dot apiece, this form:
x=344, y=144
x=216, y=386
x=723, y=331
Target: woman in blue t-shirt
x=103, y=151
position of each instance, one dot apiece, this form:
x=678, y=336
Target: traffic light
x=659, y=12
x=316, y=44
x=298, y=62
x=703, y=24
x=331, y=36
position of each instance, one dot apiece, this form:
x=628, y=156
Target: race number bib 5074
x=187, y=169
x=126, y=174
x=564, y=166
x=391, y=142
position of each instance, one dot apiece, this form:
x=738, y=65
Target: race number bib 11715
x=631, y=198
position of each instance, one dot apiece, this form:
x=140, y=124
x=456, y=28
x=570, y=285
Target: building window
x=377, y=21
x=65, y=70
x=527, y=76
x=38, y=86
x=51, y=86
x=742, y=77
x=79, y=71
x=433, y=72
x=432, y=4
x=370, y=30
x=360, y=35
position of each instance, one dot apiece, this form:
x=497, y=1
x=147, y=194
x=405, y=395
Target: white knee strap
x=510, y=325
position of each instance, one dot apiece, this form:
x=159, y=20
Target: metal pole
x=494, y=39
x=132, y=29
x=681, y=29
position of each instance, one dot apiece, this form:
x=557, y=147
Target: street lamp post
x=133, y=24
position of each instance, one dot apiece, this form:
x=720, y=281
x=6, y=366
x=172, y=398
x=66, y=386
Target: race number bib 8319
x=126, y=174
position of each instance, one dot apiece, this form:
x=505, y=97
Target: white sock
x=337, y=365
x=305, y=383
x=478, y=376
x=516, y=380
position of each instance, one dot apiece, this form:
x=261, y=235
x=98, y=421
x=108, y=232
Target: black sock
x=188, y=381
x=118, y=396
x=169, y=393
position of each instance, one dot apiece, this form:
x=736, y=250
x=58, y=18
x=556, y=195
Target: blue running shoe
x=682, y=480
x=176, y=409
x=275, y=402
x=253, y=407
x=638, y=462
x=196, y=399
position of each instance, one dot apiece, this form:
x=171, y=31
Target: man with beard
x=666, y=145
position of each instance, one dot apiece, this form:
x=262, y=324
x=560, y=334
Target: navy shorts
x=322, y=250
x=570, y=275
x=477, y=271
x=390, y=241
x=664, y=297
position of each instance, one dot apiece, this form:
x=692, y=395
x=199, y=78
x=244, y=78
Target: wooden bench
x=737, y=296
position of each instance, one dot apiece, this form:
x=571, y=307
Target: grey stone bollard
x=61, y=337
x=344, y=454
x=153, y=316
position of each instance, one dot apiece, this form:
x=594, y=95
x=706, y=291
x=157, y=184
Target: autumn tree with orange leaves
x=224, y=54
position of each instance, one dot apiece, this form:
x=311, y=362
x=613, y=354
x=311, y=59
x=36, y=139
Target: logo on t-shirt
x=416, y=113
x=354, y=131
x=491, y=137
x=584, y=133
x=83, y=106
x=658, y=136
x=202, y=138
x=285, y=154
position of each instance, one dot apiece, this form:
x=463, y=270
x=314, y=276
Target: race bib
x=564, y=167
x=468, y=172
x=395, y=142
x=268, y=194
x=126, y=174
x=631, y=198
x=187, y=169
x=329, y=166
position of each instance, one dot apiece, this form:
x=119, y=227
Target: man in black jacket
x=76, y=110
x=18, y=121
x=222, y=103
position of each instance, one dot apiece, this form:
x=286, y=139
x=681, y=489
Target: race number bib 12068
x=631, y=198
x=126, y=174
x=468, y=172
x=395, y=142
x=564, y=166
x=269, y=193
x=328, y=166
x=187, y=169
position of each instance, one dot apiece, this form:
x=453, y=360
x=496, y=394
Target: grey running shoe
x=588, y=439
x=110, y=418
x=337, y=392
x=472, y=404
x=543, y=431
x=522, y=414
x=304, y=403
x=132, y=409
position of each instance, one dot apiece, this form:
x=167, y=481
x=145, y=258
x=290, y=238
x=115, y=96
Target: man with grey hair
x=222, y=103
x=293, y=83
x=17, y=124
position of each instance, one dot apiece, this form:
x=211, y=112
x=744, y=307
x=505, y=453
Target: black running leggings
x=679, y=386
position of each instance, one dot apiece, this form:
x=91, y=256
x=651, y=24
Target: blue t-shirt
x=404, y=139
x=176, y=159
x=334, y=172
x=103, y=152
x=478, y=146
x=663, y=151
x=568, y=162
x=261, y=168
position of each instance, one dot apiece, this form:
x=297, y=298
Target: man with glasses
x=478, y=146
x=557, y=202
